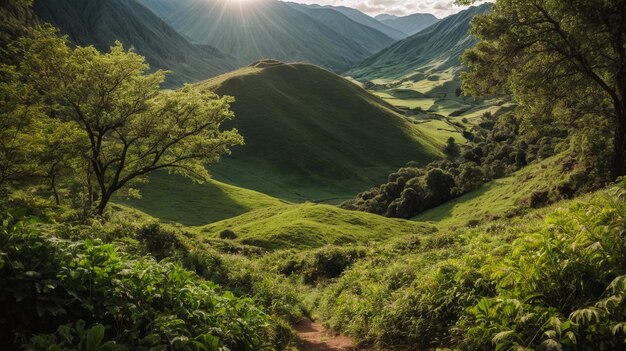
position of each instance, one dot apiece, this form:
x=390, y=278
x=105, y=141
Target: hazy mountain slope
x=163, y=8
x=437, y=48
x=411, y=24
x=369, y=38
x=360, y=17
x=265, y=29
x=312, y=135
x=100, y=23
x=384, y=17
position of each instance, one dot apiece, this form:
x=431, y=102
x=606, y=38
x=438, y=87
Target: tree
x=451, y=149
x=563, y=58
x=129, y=126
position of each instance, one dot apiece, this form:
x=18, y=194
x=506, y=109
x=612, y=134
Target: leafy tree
x=563, y=58
x=129, y=126
x=452, y=149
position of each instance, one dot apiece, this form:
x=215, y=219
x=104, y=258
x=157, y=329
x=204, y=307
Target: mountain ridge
x=438, y=47
x=93, y=22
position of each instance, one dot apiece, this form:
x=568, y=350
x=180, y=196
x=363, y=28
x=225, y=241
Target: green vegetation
x=171, y=198
x=431, y=51
x=545, y=57
x=534, y=283
x=312, y=226
x=63, y=295
x=507, y=197
x=321, y=137
x=512, y=235
x=115, y=128
x=496, y=150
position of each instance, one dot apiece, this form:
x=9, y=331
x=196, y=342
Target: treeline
x=495, y=149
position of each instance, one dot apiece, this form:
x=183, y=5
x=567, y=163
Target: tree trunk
x=55, y=192
x=104, y=201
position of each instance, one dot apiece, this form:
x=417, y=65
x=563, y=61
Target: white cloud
x=439, y=8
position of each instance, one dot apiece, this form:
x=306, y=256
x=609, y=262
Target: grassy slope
x=312, y=135
x=496, y=198
x=310, y=225
x=171, y=198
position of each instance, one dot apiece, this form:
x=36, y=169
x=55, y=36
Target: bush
x=227, y=234
x=324, y=263
x=60, y=294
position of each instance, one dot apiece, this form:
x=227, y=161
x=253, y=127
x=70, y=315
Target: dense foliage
x=560, y=59
x=497, y=148
x=553, y=284
x=88, y=295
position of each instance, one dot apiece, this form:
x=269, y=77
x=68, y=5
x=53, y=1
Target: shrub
x=227, y=234
x=49, y=286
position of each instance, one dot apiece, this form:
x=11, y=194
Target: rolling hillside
x=264, y=29
x=369, y=38
x=101, y=23
x=411, y=24
x=436, y=49
x=310, y=226
x=311, y=135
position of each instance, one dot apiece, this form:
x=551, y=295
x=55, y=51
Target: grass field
x=312, y=225
x=171, y=198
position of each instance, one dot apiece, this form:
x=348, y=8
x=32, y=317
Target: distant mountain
x=411, y=24
x=384, y=17
x=437, y=48
x=312, y=135
x=164, y=8
x=360, y=17
x=101, y=23
x=263, y=29
x=367, y=37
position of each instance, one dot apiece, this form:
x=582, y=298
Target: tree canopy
x=558, y=58
x=112, y=123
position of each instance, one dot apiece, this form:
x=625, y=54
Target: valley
x=273, y=175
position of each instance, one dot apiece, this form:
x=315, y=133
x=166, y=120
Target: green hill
x=411, y=24
x=310, y=226
x=101, y=23
x=171, y=198
x=312, y=135
x=264, y=29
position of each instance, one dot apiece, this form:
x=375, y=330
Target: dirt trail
x=316, y=338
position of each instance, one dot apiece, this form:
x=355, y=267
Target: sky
x=439, y=8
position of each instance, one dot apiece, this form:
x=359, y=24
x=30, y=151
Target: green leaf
x=94, y=337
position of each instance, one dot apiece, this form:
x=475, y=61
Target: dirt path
x=315, y=338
